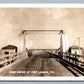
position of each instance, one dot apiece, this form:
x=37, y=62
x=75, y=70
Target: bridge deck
x=37, y=65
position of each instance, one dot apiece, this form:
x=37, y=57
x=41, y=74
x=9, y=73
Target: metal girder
x=43, y=31
x=61, y=32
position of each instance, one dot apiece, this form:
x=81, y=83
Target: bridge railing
x=12, y=58
x=74, y=59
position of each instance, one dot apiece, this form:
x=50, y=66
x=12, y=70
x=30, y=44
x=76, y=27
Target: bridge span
x=41, y=64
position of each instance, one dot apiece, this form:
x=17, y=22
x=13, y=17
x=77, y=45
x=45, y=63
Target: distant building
x=75, y=50
x=10, y=49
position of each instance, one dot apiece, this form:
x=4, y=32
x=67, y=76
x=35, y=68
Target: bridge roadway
x=37, y=65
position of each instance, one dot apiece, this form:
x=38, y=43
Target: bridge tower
x=63, y=41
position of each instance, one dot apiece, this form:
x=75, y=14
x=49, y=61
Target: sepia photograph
x=42, y=42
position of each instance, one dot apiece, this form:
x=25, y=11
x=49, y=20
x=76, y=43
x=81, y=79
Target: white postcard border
x=41, y=6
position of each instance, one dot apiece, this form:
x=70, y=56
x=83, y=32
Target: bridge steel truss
x=61, y=32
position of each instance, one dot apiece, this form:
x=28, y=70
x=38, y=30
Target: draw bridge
x=42, y=62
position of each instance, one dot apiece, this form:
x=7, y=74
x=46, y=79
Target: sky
x=14, y=20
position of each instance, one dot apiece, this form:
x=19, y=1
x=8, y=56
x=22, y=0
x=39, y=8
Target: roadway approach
x=41, y=64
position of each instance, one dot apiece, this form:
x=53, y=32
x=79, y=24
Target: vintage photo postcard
x=42, y=42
